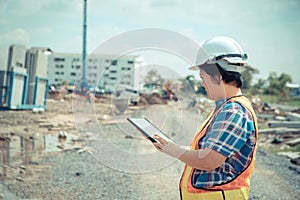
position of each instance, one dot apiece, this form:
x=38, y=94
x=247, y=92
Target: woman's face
x=215, y=89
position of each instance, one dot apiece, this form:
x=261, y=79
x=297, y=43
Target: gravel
x=76, y=175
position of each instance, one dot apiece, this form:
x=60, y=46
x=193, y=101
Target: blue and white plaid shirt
x=232, y=134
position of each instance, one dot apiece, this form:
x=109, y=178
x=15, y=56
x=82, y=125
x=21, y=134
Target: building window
x=91, y=75
x=57, y=66
x=113, y=71
x=112, y=78
x=59, y=59
x=73, y=74
x=56, y=73
x=114, y=62
x=61, y=66
x=77, y=66
x=123, y=68
x=75, y=60
x=130, y=61
x=127, y=76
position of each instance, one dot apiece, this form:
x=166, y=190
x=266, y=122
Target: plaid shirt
x=232, y=134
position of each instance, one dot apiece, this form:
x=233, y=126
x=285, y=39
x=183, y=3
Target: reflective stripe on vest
x=236, y=189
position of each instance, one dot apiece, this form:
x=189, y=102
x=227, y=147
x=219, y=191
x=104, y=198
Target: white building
x=36, y=64
x=101, y=70
x=26, y=78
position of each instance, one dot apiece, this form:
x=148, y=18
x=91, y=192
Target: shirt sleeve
x=228, y=132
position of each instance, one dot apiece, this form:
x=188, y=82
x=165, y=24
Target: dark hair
x=229, y=77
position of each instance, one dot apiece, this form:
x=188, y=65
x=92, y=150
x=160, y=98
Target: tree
x=247, y=76
x=277, y=85
x=258, y=86
x=190, y=84
x=153, y=77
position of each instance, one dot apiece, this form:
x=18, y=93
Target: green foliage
x=277, y=85
x=273, y=89
x=286, y=100
x=190, y=84
x=153, y=77
x=247, y=76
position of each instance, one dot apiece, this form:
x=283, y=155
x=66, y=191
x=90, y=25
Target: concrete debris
x=19, y=179
x=280, y=118
x=283, y=130
x=62, y=134
x=289, y=154
x=38, y=110
x=47, y=125
x=293, y=116
x=279, y=131
x=287, y=124
x=293, y=142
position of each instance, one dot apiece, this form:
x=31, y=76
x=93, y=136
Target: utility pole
x=84, y=84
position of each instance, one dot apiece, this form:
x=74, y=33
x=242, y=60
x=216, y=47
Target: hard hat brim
x=227, y=63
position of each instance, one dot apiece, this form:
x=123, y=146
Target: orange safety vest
x=236, y=189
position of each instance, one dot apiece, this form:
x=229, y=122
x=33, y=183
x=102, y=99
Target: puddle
x=19, y=150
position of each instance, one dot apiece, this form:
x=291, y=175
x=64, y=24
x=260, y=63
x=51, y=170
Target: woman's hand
x=168, y=147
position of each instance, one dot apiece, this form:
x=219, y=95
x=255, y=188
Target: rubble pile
x=151, y=99
x=279, y=129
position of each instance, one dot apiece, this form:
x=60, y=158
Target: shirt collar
x=220, y=102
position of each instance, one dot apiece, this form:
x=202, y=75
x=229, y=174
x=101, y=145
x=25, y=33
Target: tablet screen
x=147, y=128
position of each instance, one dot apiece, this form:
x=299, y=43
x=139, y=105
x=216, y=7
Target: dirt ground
x=82, y=150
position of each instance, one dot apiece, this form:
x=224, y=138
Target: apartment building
x=101, y=70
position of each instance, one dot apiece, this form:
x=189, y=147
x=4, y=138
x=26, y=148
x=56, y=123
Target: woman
x=221, y=156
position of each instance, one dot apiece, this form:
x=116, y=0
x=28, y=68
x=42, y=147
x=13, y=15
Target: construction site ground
x=56, y=153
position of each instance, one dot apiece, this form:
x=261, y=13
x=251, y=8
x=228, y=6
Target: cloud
x=19, y=36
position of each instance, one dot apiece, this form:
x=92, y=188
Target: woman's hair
x=229, y=77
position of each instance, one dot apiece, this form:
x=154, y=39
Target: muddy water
x=16, y=151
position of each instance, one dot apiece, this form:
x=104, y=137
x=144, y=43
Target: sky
x=268, y=30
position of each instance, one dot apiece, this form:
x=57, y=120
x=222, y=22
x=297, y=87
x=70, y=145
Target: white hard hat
x=224, y=51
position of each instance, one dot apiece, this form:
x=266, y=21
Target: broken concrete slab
x=288, y=124
x=293, y=142
x=280, y=130
x=293, y=116
x=266, y=116
x=280, y=118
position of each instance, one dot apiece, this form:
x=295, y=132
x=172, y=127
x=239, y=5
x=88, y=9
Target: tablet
x=147, y=128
